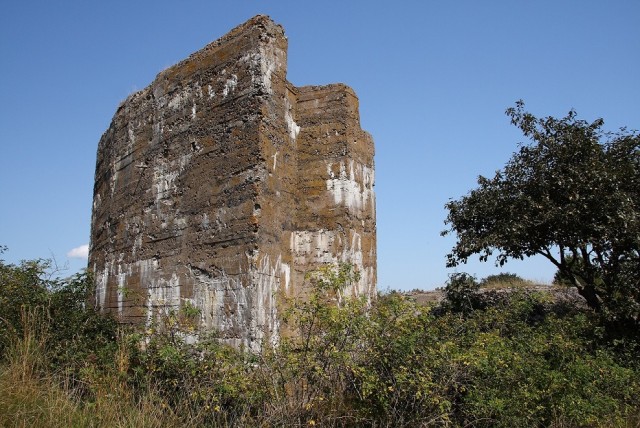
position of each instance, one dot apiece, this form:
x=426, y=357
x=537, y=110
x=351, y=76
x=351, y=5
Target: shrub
x=503, y=280
x=461, y=293
x=21, y=287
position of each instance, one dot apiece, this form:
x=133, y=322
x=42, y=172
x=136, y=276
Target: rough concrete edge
x=259, y=20
x=332, y=87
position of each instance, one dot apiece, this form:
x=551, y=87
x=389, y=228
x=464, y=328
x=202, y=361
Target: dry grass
x=30, y=396
x=28, y=399
x=517, y=283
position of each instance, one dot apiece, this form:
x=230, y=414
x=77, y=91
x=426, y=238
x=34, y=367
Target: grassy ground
x=474, y=358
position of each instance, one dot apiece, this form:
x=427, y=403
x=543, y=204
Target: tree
x=571, y=195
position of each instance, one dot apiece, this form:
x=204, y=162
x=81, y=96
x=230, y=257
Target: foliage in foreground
x=572, y=196
x=518, y=360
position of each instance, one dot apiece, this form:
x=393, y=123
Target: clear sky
x=433, y=78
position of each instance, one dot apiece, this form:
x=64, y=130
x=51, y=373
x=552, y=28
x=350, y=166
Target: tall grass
x=31, y=395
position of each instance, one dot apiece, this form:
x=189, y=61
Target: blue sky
x=433, y=78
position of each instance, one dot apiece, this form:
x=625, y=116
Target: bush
x=503, y=280
x=21, y=287
x=461, y=293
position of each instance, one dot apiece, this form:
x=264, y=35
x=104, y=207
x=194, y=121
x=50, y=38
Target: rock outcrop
x=221, y=184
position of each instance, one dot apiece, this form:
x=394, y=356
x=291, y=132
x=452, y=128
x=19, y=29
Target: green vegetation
x=521, y=359
x=571, y=196
x=504, y=280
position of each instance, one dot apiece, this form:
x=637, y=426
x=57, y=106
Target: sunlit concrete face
x=221, y=184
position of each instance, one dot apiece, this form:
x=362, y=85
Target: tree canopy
x=572, y=195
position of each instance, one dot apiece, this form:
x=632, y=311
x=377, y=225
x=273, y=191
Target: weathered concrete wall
x=221, y=184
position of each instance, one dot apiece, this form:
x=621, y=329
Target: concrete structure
x=221, y=184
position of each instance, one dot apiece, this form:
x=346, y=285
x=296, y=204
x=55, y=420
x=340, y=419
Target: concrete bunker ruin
x=221, y=184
